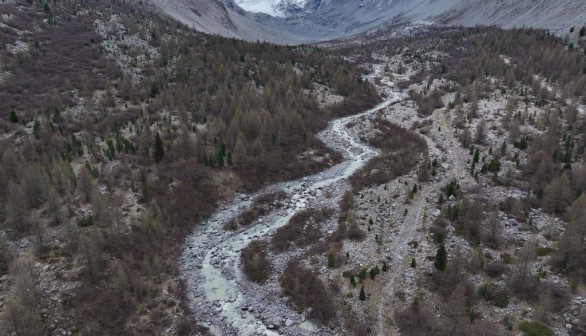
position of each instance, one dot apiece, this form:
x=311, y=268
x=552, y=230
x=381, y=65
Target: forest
x=121, y=131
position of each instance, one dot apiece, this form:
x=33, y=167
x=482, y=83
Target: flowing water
x=218, y=291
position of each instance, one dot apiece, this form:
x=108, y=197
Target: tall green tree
x=159, y=152
x=441, y=258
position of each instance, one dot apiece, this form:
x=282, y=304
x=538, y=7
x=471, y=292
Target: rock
x=277, y=321
x=288, y=322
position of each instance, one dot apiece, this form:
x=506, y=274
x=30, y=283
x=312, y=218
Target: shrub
x=356, y=233
x=496, y=269
x=416, y=320
x=85, y=221
x=543, y=251
x=535, y=329
x=260, y=207
x=507, y=258
x=497, y=297
x=303, y=229
x=255, y=263
x=307, y=290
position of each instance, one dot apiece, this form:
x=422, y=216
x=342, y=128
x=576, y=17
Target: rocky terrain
x=295, y=22
x=399, y=218
x=219, y=292
x=414, y=180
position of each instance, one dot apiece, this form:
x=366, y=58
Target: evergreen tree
x=13, y=117
x=331, y=261
x=362, y=296
x=372, y=273
x=441, y=258
x=385, y=267
x=413, y=263
x=159, y=152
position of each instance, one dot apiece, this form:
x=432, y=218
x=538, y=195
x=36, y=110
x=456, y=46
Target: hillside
x=120, y=131
x=316, y=20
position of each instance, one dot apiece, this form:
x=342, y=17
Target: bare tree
x=17, y=209
x=571, y=246
x=558, y=194
x=522, y=282
x=479, y=136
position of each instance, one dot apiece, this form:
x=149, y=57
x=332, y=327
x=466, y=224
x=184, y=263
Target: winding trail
x=417, y=213
x=218, y=292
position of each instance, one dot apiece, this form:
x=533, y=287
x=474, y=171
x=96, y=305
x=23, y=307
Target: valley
x=409, y=177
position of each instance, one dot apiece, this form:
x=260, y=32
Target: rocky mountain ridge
x=302, y=21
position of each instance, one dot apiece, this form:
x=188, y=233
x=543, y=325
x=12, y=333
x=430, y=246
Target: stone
x=288, y=322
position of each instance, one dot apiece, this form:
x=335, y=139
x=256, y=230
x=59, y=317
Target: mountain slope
x=222, y=18
x=293, y=21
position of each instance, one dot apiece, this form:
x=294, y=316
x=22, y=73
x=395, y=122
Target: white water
x=210, y=262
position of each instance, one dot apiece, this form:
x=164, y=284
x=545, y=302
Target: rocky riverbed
x=219, y=294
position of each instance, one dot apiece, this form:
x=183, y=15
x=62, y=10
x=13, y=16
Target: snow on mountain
x=261, y=6
x=277, y=8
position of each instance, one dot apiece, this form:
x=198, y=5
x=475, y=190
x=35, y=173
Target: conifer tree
x=159, y=152
x=441, y=258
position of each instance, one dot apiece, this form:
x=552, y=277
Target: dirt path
x=441, y=140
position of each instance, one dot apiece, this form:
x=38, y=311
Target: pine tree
x=331, y=261
x=362, y=296
x=372, y=273
x=441, y=258
x=159, y=152
x=13, y=117
x=413, y=263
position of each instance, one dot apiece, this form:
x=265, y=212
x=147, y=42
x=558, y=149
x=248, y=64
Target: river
x=218, y=292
